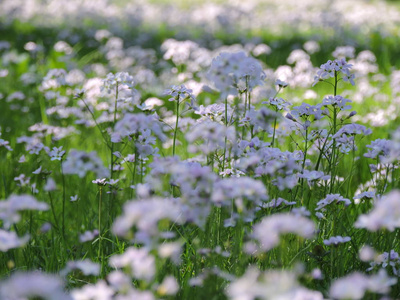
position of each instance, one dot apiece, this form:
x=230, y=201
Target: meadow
x=199, y=150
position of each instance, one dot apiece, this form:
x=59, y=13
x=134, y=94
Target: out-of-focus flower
x=279, y=224
x=385, y=214
x=355, y=285
x=336, y=240
x=32, y=285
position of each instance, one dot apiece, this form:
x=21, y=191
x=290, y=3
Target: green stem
x=99, y=224
x=226, y=139
x=63, y=201
x=176, y=125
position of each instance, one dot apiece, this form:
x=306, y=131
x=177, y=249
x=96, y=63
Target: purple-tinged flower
x=278, y=103
x=279, y=224
x=328, y=70
x=80, y=162
x=233, y=72
x=332, y=198
x=355, y=285
x=336, y=240
x=180, y=93
x=98, y=291
x=33, y=285
x=88, y=236
x=57, y=153
x=385, y=214
x=86, y=266
x=337, y=101
x=306, y=110
x=10, y=240
x=140, y=263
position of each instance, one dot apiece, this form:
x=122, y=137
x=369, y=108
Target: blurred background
x=283, y=25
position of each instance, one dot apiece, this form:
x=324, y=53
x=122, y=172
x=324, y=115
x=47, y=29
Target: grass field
x=199, y=150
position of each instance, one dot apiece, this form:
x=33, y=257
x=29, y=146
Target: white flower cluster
x=233, y=72
x=384, y=215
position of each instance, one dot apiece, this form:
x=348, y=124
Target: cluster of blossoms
x=212, y=134
x=345, y=137
x=337, y=101
x=180, y=93
x=81, y=162
x=355, y=285
x=385, y=260
x=5, y=144
x=278, y=103
x=244, y=193
x=214, y=112
x=235, y=72
x=133, y=125
x=272, y=284
x=332, y=198
x=278, y=224
x=193, y=181
x=331, y=68
x=385, y=214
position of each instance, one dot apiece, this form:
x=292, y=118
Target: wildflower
x=145, y=215
x=272, y=284
x=306, y=110
x=132, y=125
x=100, y=182
x=5, y=144
x=140, y=263
x=86, y=266
x=23, y=180
x=211, y=133
x=74, y=198
x=100, y=290
x=280, y=224
x=50, y=185
x=379, y=148
x=331, y=198
x=169, y=286
x=328, y=70
x=233, y=72
x=10, y=240
x=313, y=176
x=278, y=103
x=119, y=79
x=344, y=52
x=80, y=162
x=88, y=236
x=171, y=250
x=180, y=94
x=337, y=101
x=355, y=285
x=281, y=83
x=278, y=202
x=336, y=240
x=366, y=253
x=10, y=208
x=57, y=153
x=385, y=214
x=33, y=285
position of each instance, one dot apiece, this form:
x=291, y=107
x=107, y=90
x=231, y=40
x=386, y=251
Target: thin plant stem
x=176, y=126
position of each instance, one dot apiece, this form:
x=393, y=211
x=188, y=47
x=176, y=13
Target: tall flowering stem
x=179, y=94
x=338, y=69
x=176, y=126
x=226, y=137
